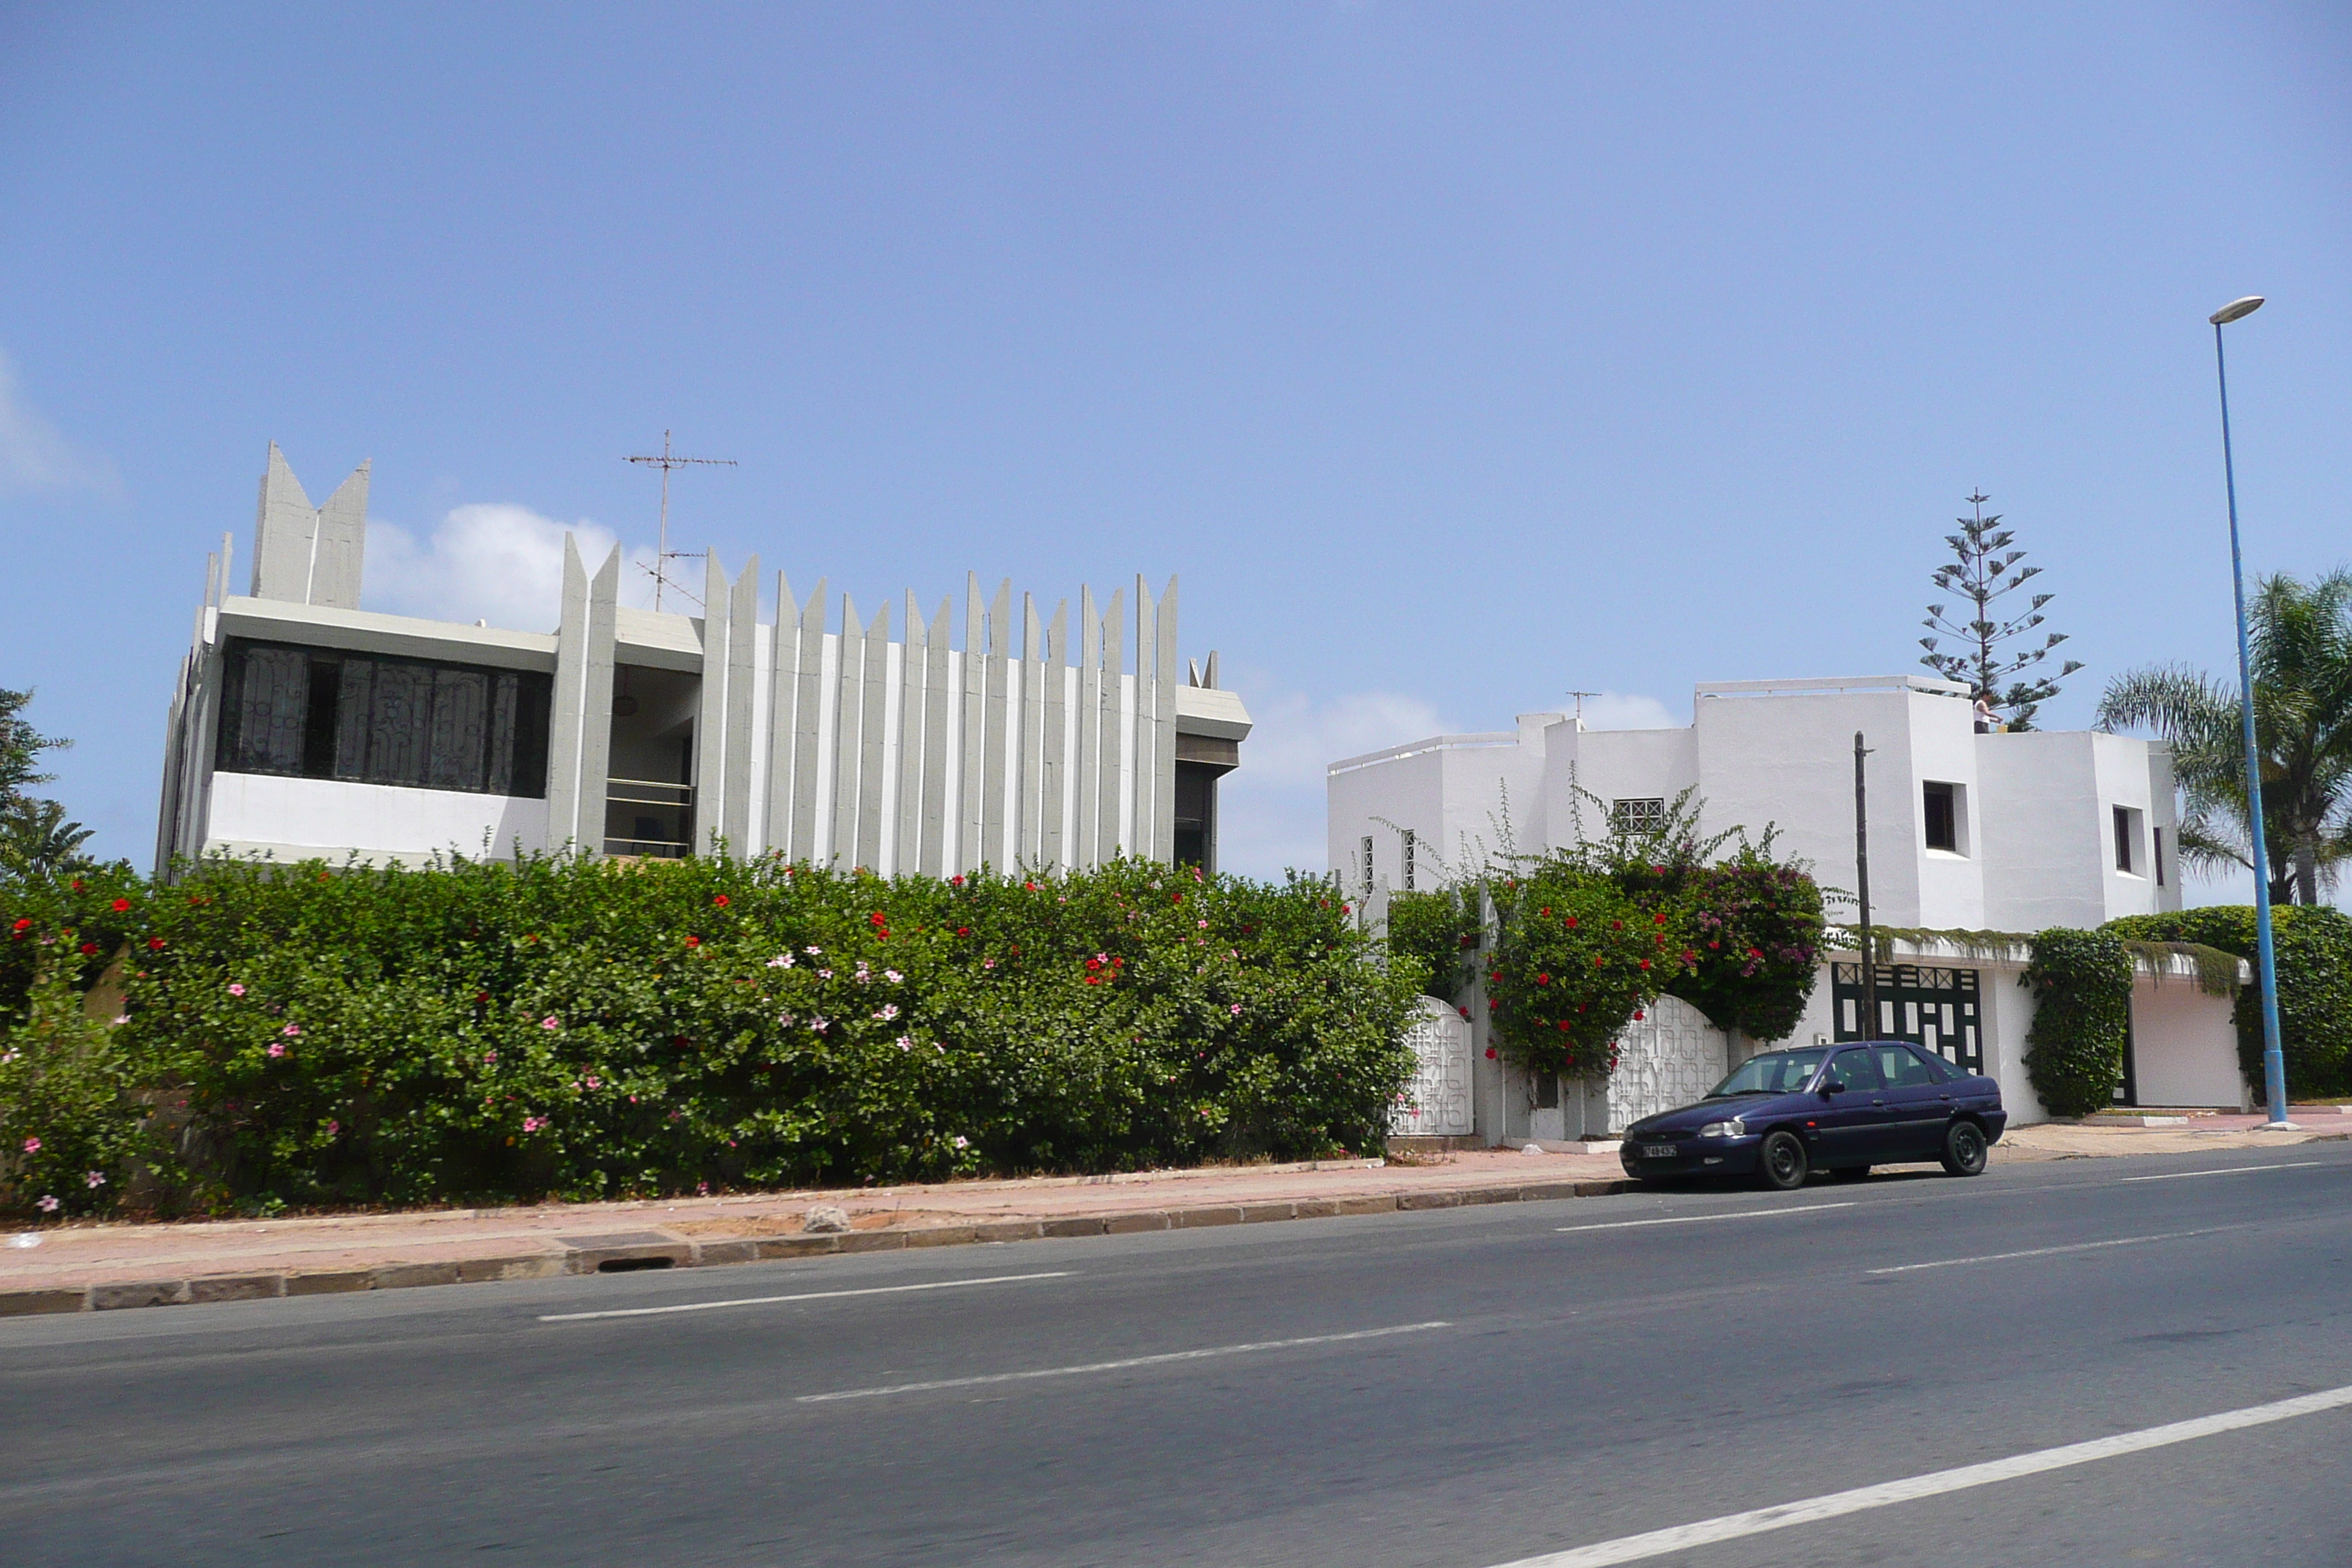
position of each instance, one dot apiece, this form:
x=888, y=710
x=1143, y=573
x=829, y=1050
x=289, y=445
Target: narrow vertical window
x=1364, y=852
x=2155, y=854
x=1942, y=818
x=2123, y=839
x=1408, y=860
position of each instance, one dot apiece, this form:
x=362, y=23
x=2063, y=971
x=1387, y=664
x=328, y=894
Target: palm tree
x=2301, y=655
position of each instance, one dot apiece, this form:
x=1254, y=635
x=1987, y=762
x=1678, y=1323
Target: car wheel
x=1964, y=1148
x=1850, y=1173
x=1780, y=1164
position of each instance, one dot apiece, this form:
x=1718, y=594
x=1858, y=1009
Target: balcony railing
x=675, y=802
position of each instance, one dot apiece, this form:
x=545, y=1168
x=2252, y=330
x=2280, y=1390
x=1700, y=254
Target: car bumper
x=1690, y=1156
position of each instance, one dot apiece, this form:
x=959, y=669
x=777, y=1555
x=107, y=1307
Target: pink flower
x=235, y=989
x=48, y=1204
x=988, y=964
x=1202, y=925
x=489, y=1055
x=893, y=976
x=291, y=1031
x=333, y=1127
x=595, y=1083
x=276, y=1048
x=32, y=1145
x=1237, y=1009
x=961, y=1141
x=94, y=1181
x=548, y=1023
x=533, y=1123
x=905, y=1043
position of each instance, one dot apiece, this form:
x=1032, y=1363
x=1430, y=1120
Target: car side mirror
x=1832, y=1089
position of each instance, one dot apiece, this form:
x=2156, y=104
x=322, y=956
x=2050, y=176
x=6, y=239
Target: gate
x=1671, y=1058
x=1437, y=1103
x=1927, y=1005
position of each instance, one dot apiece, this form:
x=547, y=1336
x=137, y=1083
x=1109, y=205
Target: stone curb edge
x=268, y=1286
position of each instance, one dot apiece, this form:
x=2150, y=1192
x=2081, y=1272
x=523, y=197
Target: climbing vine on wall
x=2082, y=983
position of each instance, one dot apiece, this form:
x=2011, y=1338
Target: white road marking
x=804, y=1296
x=2231, y=1170
x=1703, y=1219
x=1809, y=1510
x=2049, y=1251
x=1121, y=1365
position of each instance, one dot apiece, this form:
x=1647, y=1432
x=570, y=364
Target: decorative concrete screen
x=1671, y=1058
x=1436, y=1104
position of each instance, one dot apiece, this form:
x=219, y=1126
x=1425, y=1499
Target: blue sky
x=1455, y=356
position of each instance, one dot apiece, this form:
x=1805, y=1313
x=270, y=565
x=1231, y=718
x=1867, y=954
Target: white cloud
x=1627, y=710
x=36, y=456
x=1271, y=812
x=489, y=560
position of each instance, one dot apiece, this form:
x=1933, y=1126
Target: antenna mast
x=664, y=554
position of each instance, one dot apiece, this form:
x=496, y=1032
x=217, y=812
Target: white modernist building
x=305, y=726
x=1968, y=831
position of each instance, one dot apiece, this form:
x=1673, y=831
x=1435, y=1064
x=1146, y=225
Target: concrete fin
x=285, y=531
x=1087, y=850
x=1163, y=844
x=848, y=740
x=564, y=716
x=596, y=701
x=873, y=800
x=1053, y=783
x=937, y=700
x=710, y=712
x=742, y=686
x=970, y=851
x=1114, y=630
x=808, y=709
x=783, y=693
x=340, y=546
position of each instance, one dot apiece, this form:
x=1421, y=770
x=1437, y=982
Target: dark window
x=1408, y=859
x=1853, y=1069
x=2123, y=839
x=1943, y=819
x=317, y=714
x=2155, y=854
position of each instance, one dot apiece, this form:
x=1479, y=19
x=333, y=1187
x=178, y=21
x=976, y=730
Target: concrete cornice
x=365, y=631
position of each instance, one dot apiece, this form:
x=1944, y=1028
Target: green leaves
x=2082, y=983
x=579, y=1029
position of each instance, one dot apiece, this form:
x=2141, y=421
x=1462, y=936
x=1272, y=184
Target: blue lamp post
x=2273, y=1063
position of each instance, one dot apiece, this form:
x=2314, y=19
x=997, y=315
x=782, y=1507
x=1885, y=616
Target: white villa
x=1967, y=831
x=304, y=726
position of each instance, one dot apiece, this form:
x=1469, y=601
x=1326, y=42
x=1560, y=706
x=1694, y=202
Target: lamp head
x=2236, y=309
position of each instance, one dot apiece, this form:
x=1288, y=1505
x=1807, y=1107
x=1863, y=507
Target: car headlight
x=1735, y=1128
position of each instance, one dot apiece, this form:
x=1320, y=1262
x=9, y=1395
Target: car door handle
x=1875, y=1100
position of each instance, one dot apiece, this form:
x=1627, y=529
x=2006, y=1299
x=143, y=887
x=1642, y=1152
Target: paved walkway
x=76, y=1266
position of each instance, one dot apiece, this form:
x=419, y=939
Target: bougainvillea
x=1578, y=958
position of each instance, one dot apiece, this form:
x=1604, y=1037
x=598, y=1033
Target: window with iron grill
x=321, y=713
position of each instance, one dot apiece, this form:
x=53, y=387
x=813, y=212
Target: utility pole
x=1861, y=887
x=664, y=554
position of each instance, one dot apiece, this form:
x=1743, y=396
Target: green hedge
x=2082, y=984
x=2313, y=947
x=1433, y=937
x=326, y=1035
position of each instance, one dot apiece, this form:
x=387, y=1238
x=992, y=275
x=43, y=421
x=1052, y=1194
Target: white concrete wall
x=292, y=818
x=2184, y=1047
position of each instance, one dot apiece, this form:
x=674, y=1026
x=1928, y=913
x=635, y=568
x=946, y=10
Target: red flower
x=1094, y=963
x=1546, y=911
x=481, y=995
x=722, y=901
x=963, y=930
x=1616, y=925
x=88, y=947
x=1490, y=1053
x=1029, y=887
x=694, y=942
x=23, y=924
x=1661, y=919
x=1179, y=898
x=1571, y=923
x=1464, y=1011
x=1492, y=1004
x=1094, y=979
x=1755, y=952
x=1637, y=1015
x=1714, y=944
x=1563, y=1026
x=155, y=944
x=1646, y=963
x=122, y=906
x=1543, y=979
x=955, y=881
x=76, y=884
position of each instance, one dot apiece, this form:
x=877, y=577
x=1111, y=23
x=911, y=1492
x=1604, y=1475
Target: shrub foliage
x=581, y=1029
x=2313, y=948
x=2082, y=983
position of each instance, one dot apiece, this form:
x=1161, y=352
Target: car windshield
x=1774, y=1072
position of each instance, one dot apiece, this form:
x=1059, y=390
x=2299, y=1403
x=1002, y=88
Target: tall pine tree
x=1995, y=645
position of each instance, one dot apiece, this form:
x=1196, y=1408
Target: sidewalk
x=79, y=1267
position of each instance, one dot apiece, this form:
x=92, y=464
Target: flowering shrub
x=67, y=1122
x=584, y=1029
x=1587, y=942
x=1437, y=934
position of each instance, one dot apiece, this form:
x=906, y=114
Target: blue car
x=1841, y=1109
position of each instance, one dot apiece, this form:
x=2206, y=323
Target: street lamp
x=2273, y=1063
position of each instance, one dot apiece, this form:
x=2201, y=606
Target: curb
x=651, y=1249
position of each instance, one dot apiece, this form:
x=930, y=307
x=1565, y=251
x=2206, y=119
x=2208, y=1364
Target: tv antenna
x=1579, y=697
x=664, y=554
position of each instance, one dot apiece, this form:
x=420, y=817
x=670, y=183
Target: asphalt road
x=1536, y=1391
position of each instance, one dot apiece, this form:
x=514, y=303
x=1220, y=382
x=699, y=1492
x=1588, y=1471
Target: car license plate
x=1659, y=1151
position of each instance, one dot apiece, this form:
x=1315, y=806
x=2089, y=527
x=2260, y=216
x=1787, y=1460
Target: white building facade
x=1969, y=832
x=305, y=726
